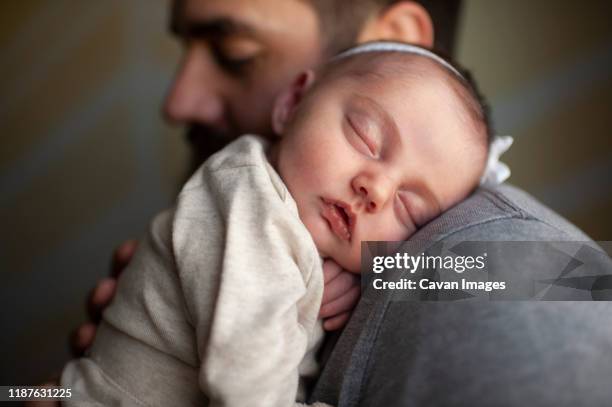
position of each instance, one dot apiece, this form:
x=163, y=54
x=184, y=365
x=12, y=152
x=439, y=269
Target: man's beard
x=203, y=142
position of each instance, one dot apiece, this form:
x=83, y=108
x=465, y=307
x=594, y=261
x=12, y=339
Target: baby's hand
x=340, y=295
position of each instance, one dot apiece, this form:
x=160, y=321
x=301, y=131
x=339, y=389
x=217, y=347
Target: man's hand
x=340, y=295
x=100, y=297
x=45, y=403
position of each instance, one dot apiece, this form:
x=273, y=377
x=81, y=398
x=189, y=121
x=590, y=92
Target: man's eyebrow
x=213, y=27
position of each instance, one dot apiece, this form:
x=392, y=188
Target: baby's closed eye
x=413, y=209
x=363, y=136
x=404, y=210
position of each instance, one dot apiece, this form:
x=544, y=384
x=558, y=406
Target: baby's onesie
x=221, y=298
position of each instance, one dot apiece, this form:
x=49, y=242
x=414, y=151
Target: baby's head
x=375, y=145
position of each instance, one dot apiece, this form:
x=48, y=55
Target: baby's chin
x=348, y=261
x=328, y=250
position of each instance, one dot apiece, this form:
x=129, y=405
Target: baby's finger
x=100, y=297
x=82, y=338
x=342, y=304
x=331, y=270
x=337, y=322
x=339, y=286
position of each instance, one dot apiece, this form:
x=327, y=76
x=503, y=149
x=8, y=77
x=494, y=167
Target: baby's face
x=368, y=159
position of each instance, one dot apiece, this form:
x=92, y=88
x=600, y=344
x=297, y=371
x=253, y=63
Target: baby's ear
x=289, y=99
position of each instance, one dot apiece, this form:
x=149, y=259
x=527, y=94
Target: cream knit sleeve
x=266, y=296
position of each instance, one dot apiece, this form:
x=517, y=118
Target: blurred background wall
x=85, y=159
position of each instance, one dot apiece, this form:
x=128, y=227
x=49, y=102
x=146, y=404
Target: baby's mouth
x=340, y=218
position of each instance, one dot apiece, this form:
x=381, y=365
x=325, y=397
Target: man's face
x=237, y=55
x=375, y=159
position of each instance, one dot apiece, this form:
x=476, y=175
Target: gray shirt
x=476, y=353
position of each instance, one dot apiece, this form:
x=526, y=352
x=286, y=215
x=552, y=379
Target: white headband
x=390, y=46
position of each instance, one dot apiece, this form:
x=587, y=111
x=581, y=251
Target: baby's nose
x=373, y=189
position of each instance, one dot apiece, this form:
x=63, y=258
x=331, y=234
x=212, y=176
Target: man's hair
x=342, y=20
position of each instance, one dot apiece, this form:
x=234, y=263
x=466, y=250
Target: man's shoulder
x=403, y=353
x=503, y=212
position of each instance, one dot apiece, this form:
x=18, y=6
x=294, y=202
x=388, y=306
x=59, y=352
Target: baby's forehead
x=399, y=71
x=410, y=76
x=372, y=66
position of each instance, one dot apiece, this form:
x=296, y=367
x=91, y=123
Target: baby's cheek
x=393, y=230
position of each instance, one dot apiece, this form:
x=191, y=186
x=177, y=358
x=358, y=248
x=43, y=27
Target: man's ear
x=287, y=100
x=405, y=21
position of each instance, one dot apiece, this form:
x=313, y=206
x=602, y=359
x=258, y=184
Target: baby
x=220, y=304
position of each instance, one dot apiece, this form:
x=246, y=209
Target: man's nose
x=195, y=95
x=374, y=189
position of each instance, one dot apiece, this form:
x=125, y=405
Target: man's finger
x=337, y=322
x=45, y=403
x=100, y=297
x=344, y=303
x=42, y=403
x=122, y=256
x=82, y=338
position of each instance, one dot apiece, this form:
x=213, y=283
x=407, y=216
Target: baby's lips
x=337, y=222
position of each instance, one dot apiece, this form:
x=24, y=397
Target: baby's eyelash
x=405, y=215
x=371, y=146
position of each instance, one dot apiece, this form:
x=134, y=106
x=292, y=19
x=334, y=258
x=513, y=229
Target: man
x=238, y=54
